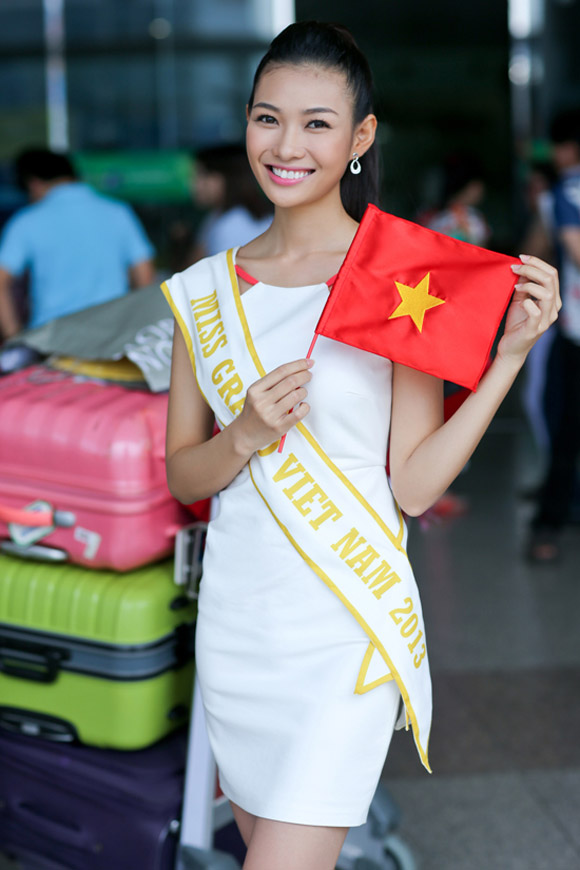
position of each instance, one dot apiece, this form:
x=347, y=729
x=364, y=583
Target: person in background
x=558, y=489
x=463, y=191
x=460, y=218
x=80, y=248
x=538, y=239
x=539, y=201
x=239, y=211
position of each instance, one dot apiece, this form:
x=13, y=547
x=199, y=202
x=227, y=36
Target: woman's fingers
x=537, y=315
x=533, y=311
x=538, y=291
x=540, y=274
x=298, y=413
x=287, y=386
x=546, y=269
x=277, y=375
x=275, y=403
x=545, y=297
x=530, y=260
x=284, y=386
x=281, y=395
x=539, y=277
x=534, y=307
x=288, y=402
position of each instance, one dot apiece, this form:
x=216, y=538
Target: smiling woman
x=342, y=77
x=310, y=633
x=297, y=144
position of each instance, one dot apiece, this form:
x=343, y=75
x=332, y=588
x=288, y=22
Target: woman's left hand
x=534, y=307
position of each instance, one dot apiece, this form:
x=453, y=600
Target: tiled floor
x=505, y=658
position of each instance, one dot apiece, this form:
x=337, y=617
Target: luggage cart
x=375, y=845
x=372, y=846
x=205, y=811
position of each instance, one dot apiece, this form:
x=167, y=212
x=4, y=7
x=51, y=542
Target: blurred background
x=134, y=90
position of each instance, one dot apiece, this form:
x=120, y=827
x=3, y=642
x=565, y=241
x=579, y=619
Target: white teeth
x=289, y=173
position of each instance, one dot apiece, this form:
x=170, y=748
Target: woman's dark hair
x=43, y=164
x=241, y=188
x=333, y=47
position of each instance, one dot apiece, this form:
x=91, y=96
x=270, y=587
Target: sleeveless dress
x=277, y=653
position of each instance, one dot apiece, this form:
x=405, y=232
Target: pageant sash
x=328, y=521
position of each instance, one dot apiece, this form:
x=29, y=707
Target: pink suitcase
x=82, y=472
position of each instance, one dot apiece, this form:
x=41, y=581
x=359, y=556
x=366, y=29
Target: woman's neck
x=304, y=245
x=303, y=230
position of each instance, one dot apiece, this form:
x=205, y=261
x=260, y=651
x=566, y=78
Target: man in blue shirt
x=558, y=489
x=79, y=248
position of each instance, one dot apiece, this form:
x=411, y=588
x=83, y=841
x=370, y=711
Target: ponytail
x=332, y=46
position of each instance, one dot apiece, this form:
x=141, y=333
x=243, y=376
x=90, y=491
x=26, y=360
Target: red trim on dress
x=244, y=276
x=250, y=280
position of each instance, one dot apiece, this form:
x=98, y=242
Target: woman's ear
x=365, y=135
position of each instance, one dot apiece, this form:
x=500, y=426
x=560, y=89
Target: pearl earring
x=355, y=166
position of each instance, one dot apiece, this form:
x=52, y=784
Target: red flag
x=419, y=298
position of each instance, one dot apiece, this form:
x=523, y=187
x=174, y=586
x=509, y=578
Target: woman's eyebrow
x=266, y=106
x=315, y=111
x=318, y=110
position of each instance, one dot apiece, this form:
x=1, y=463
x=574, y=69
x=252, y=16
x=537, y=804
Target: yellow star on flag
x=415, y=301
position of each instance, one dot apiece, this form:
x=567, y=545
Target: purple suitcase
x=74, y=807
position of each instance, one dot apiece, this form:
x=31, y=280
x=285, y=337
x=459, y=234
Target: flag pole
x=311, y=348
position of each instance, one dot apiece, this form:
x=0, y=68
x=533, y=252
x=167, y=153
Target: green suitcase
x=95, y=656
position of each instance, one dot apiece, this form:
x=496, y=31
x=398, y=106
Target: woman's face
x=300, y=134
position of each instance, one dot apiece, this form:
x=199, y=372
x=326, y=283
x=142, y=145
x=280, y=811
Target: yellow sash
x=329, y=522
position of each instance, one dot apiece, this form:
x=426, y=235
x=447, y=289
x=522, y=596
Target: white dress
x=277, y=652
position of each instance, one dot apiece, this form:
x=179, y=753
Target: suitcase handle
x=26, y=518
x=39, y=663
x=47, y=517
x=67, y=833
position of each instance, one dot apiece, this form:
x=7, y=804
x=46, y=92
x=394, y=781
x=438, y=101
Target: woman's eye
x=266, y=119
x=317, y=124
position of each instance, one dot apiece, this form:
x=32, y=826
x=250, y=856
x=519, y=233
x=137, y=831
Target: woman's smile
x=286, y=175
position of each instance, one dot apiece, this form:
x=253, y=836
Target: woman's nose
x=288, y=145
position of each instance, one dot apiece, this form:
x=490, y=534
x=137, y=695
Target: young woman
x=308, y=541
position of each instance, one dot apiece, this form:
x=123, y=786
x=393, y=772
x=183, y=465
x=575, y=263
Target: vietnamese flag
x=419, y=297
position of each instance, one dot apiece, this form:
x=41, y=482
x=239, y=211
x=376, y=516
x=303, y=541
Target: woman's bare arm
x=199, y=465
x=426, y=455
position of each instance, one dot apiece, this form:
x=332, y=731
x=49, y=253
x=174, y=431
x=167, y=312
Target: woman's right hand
x=273, y=405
